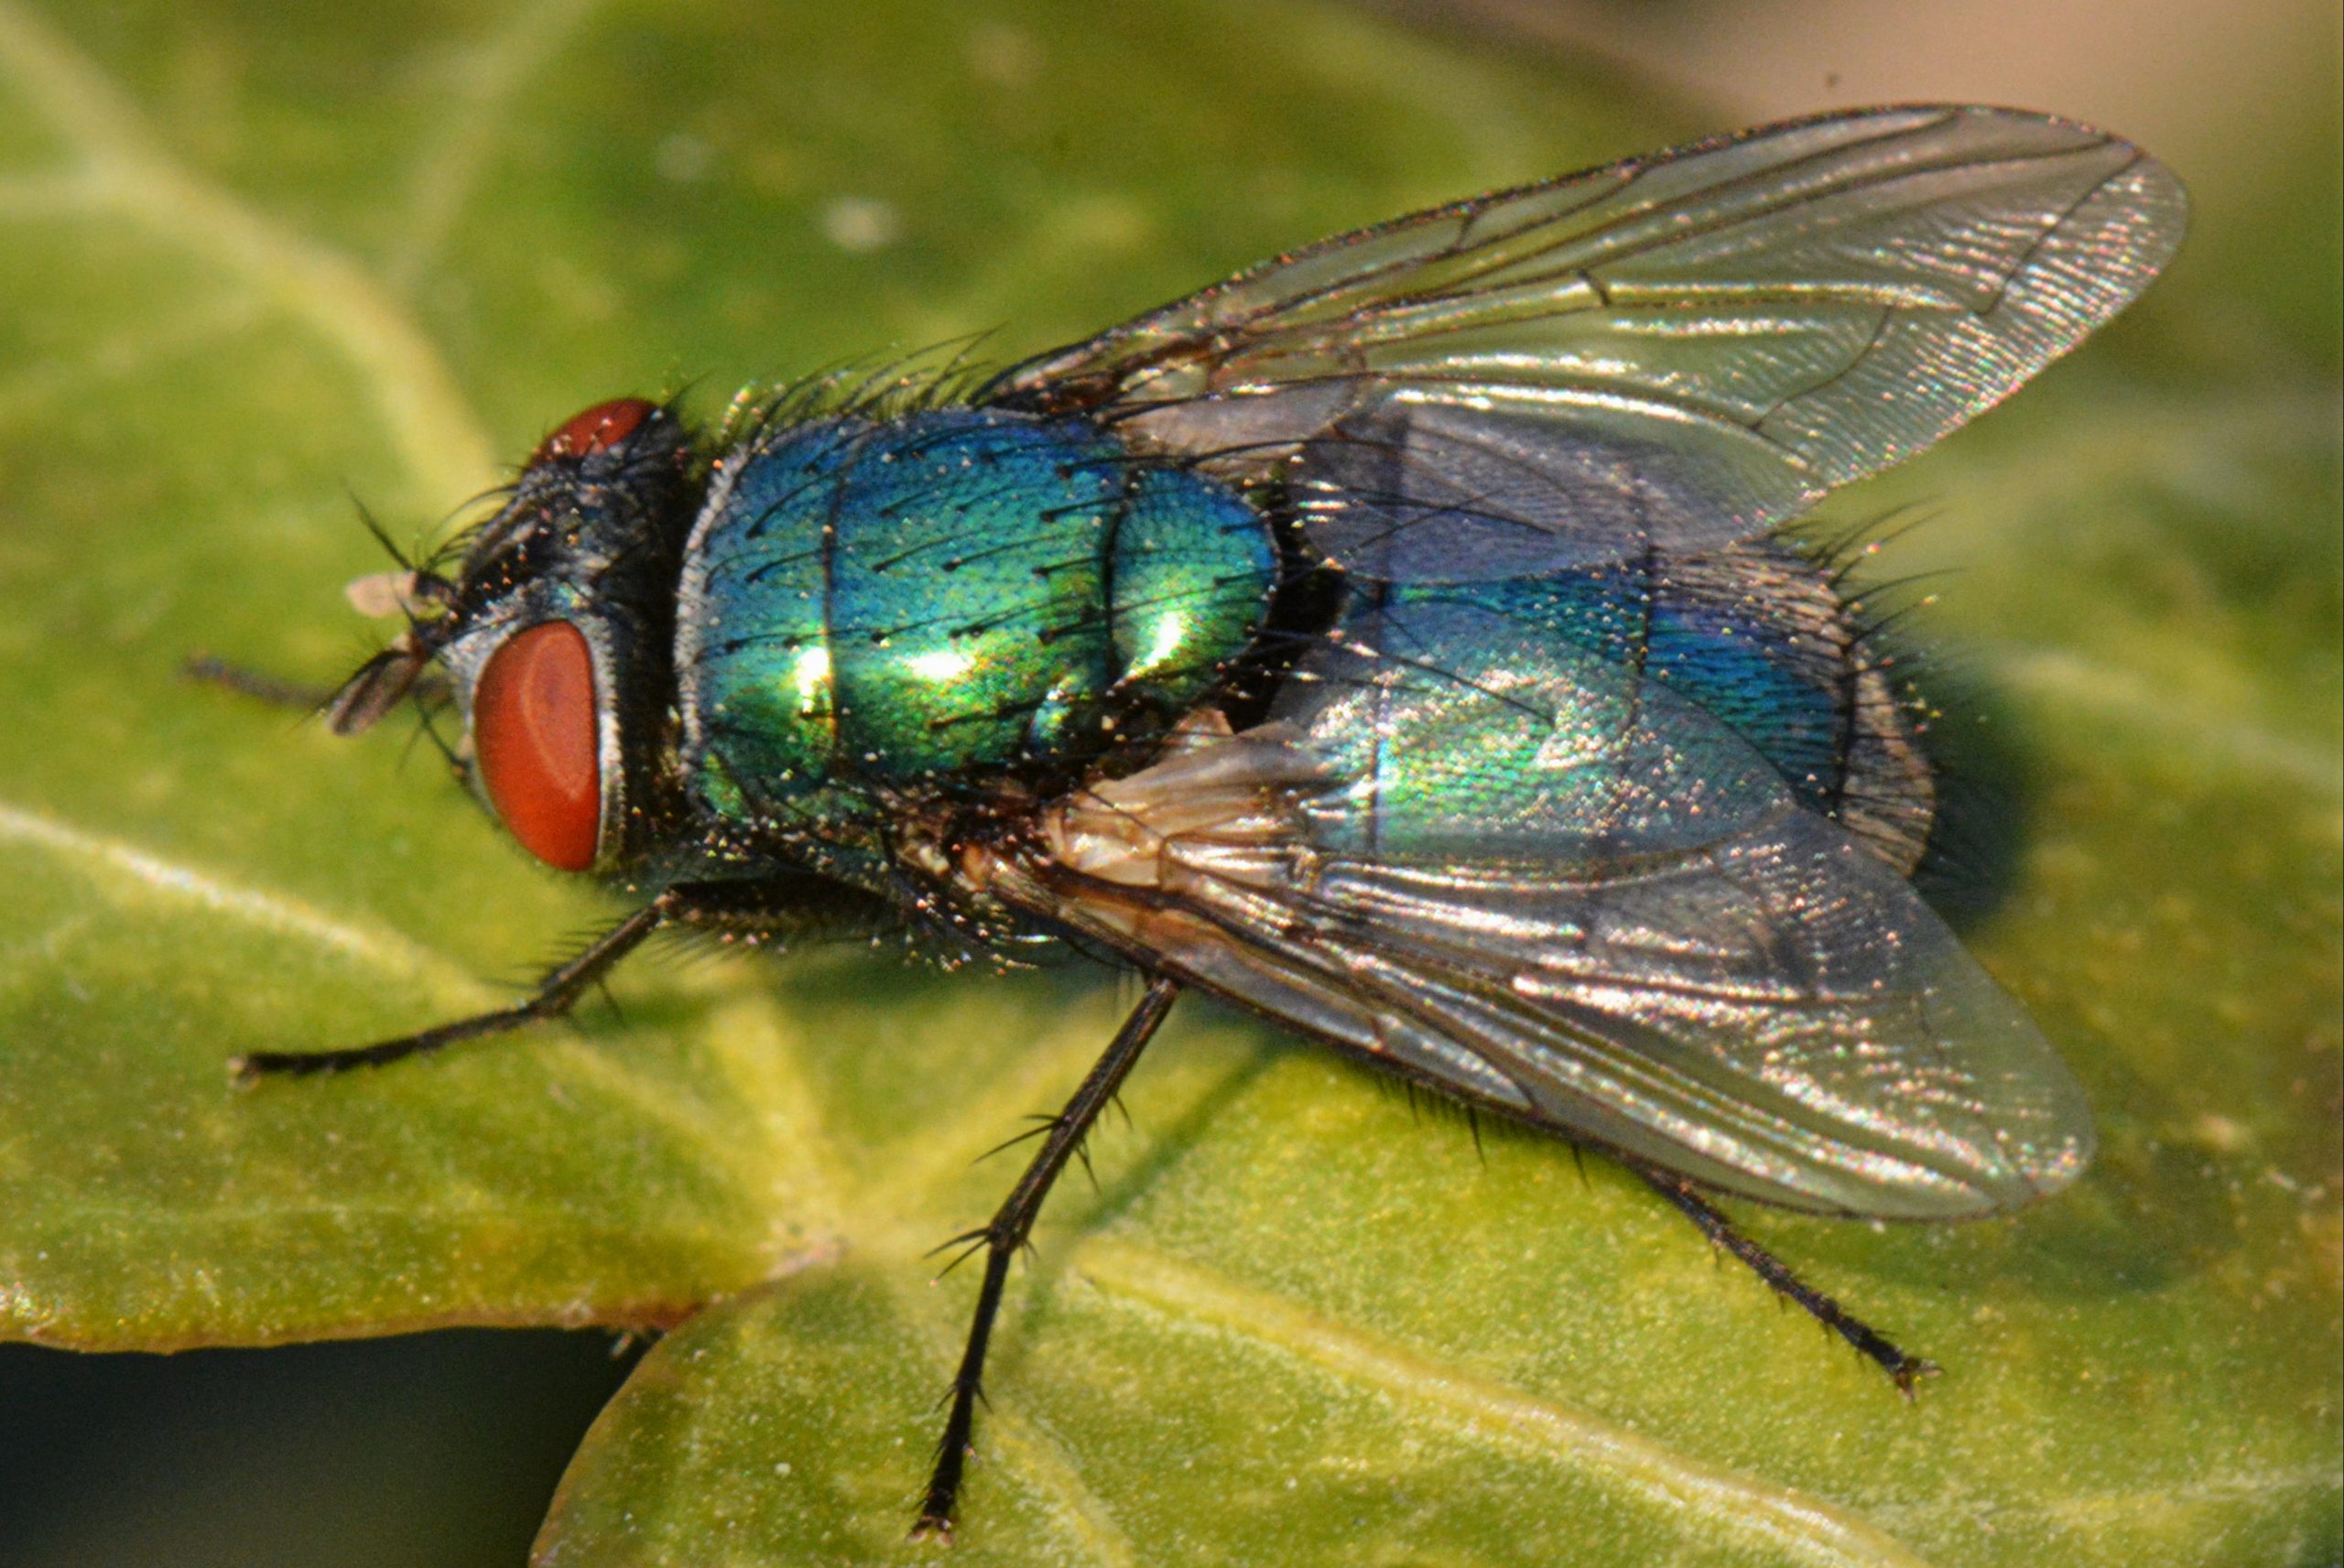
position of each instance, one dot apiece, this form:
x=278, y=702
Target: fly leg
x=1007, y=1232
x=1904, y=1371
x=258, y=684
x=555, y=995
x=347, y=709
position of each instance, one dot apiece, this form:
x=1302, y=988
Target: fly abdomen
x=946, y=595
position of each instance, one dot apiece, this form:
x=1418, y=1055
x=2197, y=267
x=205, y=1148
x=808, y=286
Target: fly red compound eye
x=539, y=745
x=597, y=429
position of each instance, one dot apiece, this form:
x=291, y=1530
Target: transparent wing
x=1672, y=353
x=1569, y=893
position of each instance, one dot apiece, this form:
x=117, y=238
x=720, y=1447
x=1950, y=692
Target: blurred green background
x=252, y=254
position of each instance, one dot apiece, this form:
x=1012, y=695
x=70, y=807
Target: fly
x=1396, y=640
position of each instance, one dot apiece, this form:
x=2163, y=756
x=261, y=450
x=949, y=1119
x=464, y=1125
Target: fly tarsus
x=1006, y=1233
x=1904, y=1369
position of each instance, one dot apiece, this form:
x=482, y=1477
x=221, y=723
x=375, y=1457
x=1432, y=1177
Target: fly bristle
x=944, y=374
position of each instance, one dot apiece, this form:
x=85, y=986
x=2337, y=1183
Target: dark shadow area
x=438, y=1449
x=1985, y=792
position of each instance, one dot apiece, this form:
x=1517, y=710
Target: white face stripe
x=610, y=751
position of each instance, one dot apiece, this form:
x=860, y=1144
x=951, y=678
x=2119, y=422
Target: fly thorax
x=941, y=602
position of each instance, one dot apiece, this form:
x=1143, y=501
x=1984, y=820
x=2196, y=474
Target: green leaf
x=258, y=258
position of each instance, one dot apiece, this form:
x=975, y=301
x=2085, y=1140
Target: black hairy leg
x=1904, y=1371
x=555, y=995
x=1012, y=1223
x=258, y=684
x=777, y=908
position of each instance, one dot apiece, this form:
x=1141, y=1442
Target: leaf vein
x=430, y=422
x=1807, y=1527
x=273, y=912
x=487, y=79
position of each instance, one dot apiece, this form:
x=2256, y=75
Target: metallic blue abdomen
x=885, y=602
x=1608, y=710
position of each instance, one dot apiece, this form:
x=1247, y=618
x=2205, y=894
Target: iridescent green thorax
x=942, y=599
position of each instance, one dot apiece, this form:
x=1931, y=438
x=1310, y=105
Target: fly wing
x=1570, y=894
x=1672, y=353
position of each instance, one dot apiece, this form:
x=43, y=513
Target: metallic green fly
x=1396, y=640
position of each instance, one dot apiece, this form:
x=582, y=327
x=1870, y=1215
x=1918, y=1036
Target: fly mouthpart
x=378, y=686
